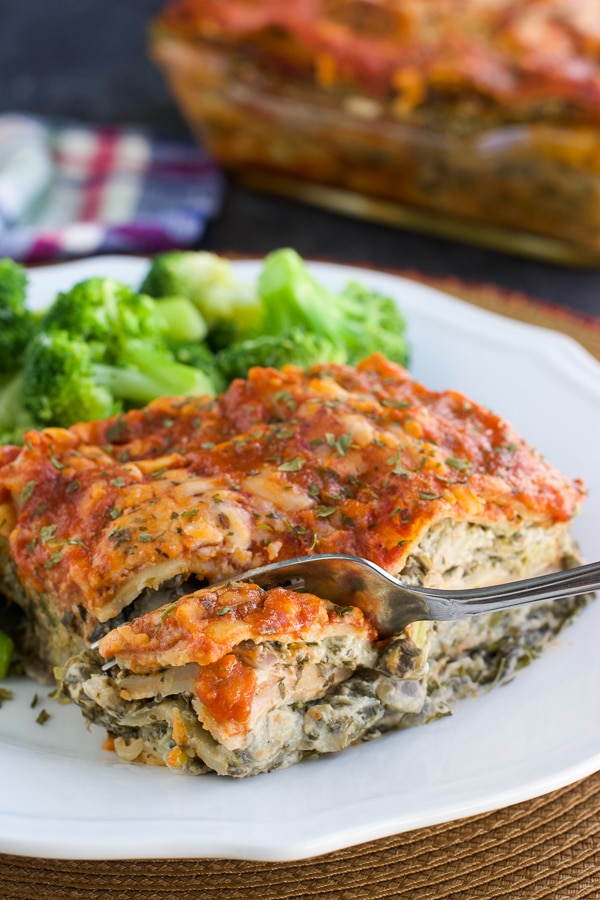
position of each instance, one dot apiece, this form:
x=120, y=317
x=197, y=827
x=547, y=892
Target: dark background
x=86, y=60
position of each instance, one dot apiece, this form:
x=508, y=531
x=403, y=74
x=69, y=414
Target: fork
x=391, y=605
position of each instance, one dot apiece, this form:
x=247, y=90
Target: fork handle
x=445, y=604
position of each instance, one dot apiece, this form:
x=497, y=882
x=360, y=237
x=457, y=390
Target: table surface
x=86, y=60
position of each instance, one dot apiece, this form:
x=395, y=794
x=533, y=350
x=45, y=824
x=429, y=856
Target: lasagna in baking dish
x=487, y=111
x=114, y=531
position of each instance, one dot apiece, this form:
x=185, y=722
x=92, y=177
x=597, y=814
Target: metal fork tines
x=391, y=605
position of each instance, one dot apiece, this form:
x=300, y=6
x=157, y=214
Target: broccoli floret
x=64, y=383
x=59, y=382
x=298, y=347
x=14, y=419
x=201, y=357
x=181, y=320
x=148, y=374
x=230, y=307
x=104, y=348
x=375, y=325
x=357, y=321
x=17, y=324
x=103, y=311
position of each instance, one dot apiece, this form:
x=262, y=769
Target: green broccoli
x=17, y=324
x=64, y=382
x=60, y=386
x=229, y=307
x=104, y=348
x=298, y=347
x=14, y=419
x=357, y=321
x=180, y=320
x=201, y=357
x=103, y=311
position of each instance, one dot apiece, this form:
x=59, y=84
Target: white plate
x=63, y=796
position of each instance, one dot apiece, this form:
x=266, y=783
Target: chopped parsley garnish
x=120, y=536
x=54, y=560
x=28, y=491
x=459, y=464
x=116, y=429
x=119, y=482
x=341, y=445
x=428, y=495
x=114, y=512
x=285, y=397
x=322, y=512
x=168, y=609
x=292, y=465
x=47, y=533
x=77, y=542
x=343, y=610
x=396, y=404
x=72, y=486
x=282, y=433
x=56, y=462
x=145, y=537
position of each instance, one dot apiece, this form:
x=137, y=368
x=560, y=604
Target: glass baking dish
x=527, y=186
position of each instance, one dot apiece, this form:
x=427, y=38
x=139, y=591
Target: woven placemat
x=545, y=849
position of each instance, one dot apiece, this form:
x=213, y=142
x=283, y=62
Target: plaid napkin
x=73, y=190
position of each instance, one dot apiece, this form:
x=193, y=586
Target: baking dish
x=359, y=98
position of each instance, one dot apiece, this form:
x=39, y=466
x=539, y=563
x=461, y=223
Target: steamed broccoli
x=180, y=320
x=103, y=311
x=201, y=357
x=65, y=380
x=14, y=419
x=298, y=347
x=356, y=321
x=60, y=386
x=230, y=307
x=17, y=324
x=104, y=348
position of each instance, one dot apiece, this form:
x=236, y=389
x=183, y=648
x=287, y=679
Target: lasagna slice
x=107, y=521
